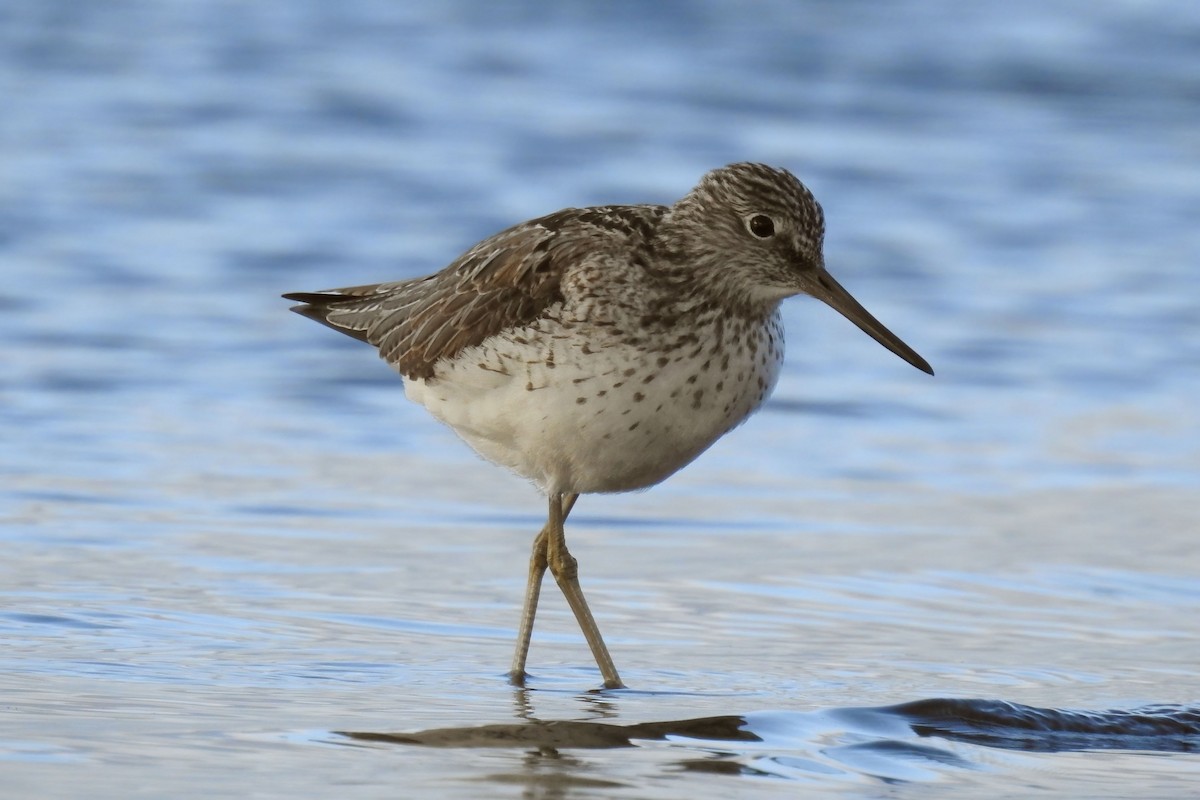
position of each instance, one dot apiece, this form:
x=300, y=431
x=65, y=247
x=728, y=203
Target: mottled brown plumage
x=602, y=349
x=504, y=282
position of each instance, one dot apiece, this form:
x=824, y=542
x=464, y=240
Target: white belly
x=615, y=419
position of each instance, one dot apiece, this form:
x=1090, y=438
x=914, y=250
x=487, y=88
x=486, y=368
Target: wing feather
x=505, y=281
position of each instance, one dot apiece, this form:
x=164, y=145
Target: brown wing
x=507, y=280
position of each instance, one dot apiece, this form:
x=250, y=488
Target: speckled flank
x=630, y=427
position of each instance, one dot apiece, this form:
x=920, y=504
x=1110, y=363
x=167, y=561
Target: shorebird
x=602, y=349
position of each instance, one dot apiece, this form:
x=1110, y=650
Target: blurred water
x=227, y=536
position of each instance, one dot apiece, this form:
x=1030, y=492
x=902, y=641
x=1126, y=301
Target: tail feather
x=317, y=306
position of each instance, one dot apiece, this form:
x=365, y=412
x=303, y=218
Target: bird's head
x=754, y=234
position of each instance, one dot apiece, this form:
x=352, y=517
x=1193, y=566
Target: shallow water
x=238, y=563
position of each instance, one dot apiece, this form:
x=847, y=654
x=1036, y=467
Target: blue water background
x=226, y=534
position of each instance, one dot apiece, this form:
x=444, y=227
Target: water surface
x=238, y=562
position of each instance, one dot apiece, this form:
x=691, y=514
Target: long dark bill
x=828, y=291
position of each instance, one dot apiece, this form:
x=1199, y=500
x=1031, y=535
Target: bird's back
x=504, y=282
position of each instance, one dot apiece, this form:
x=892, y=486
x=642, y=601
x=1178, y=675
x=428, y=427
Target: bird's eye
x=761, y=226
